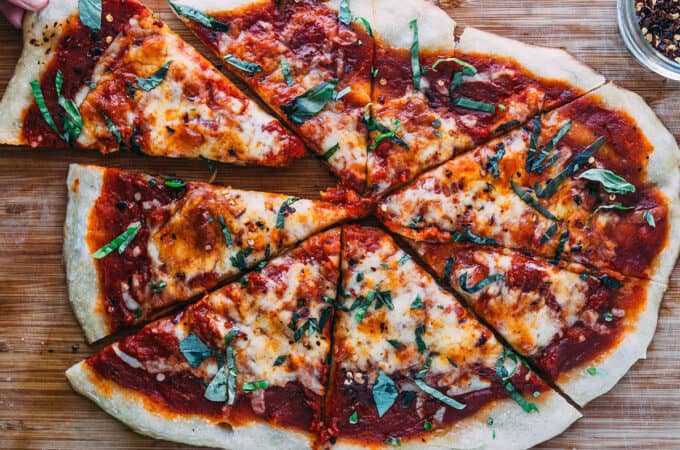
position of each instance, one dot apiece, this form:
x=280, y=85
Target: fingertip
x=31, y=5
x=13, y=14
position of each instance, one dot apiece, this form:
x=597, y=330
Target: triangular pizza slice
x=109, y=75
x=583, y=330
x=412, y=367
x=434, y=98
x=309, y=60
x=136, y=245
x=244, y=368
x=594, y=182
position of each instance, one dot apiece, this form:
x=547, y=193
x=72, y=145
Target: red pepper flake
x=659, y=22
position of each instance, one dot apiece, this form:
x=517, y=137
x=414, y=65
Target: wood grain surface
x=39, y=337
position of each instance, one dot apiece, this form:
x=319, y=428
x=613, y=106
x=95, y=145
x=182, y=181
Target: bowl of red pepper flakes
x=651, y=31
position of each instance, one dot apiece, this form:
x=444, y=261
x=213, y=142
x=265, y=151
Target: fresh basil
x=73, y=121
x=198, y=16
x=283, y=210
x=505, y=376
x=383, y=298
x=502, y=128
x=420, y=330
x=389, y=134
x=427, y=425
x=302, y=108
x=157, y=286
x=393, y=441
x=280, y=360
x=344, y=13
x=396, y=344
x=549, y=233
x=90, y=12
x=529, y=199
x=211, y=167
x=415, y=55
x=533, y=143
x=606, y=208
x=361, y=305
x=174, y=183
x=592, y=371
x=608, y=317
x=539, y=163
x=469, y=236
x=42, y=107
x=448, y=269
x=468, y=69
x=251, y=386
x=611, y=182
x=448, y=401
x=338, y=95
x=239, y=259
x=217, y=389
x=610, y=282
x=462, y=280
x=374, y=125
x=194, y=350
x=564, y=237
x=354, y=418
x=248, y=67
x=156, y=78
x=231, y=374
x=649, y=218
x=492, y=163
x=417, y=303
x=385, y=393
x=225, y=231
x=366, y=24
x=285, y=69
x=404, y=259
x=309, y=328
x=113, y=129
x=466, y=103
x=119, y=243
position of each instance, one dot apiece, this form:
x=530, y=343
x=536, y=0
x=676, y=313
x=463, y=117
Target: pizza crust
x=514, y=429
x=84, y=184
x=583, y=387
x=132, y=409
x=435, y=27
x=42, y=33
x=544, y=62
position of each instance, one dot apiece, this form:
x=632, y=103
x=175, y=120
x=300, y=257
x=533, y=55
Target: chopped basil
x=417, y=303
x=73, y=121
x=423, y=371
x=283, y=210
x=198, y=16
x=245, y=66
x=549, y=233
x=175, y=183
x=231, y=373
x=647, y=215
x=489, y=421
x=383, y=298
x=362, y=304
x=328, y=154
x=393, y=441
x=42, y=107
x=366, y=25
x=463, y=102
x=302, y=108
x=384, y=393
x=217, y=389
x=469, y=236
x=427, y=425
x=505, y=376
x=448, y=269
x=113, y=130
x=608, y=317
x=120, y=242
x=452, y=362
x=389, y=134
x=420, y=330
x=285, y=69
x=539, y=163
x=360, y=277
x=404, y=259
x=90, y=12
x=462, y=280
x=239, y=259
x=344, y=13
x=157, y=286
x=225, y=231
x=415, y=57
x=211, y=167
x=606, y=208
x=354, y=418
x=564, y=237
x=338, y=95
x=533, y=142
x=574, y=165
x=231, y=335
x=407, y=398
x=312, y=325
x=415, y=221
x=611, y=182
x=493, y=162
x=468, y=69
x=527, y=198
x=448, y=401
x=396, y=344
x=251, y=386
x=502, y=128
x=155, y=79
x=280, y=360
x=194, y=350
x=610, y=282
x=374, y=125
x=516, y=396
x=592, y=371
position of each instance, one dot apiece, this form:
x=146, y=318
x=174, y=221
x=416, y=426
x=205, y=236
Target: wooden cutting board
x=39, y=337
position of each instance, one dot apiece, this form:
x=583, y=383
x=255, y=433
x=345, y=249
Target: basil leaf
x=647, y=215
x=232, y=373
x=113, y=129
x=448, y=401
x=549, y=233
x=240, y=64
x=404, y=259
x=386, y=135
x=383, y=298
x=225, y=231
x=505, y=376
x=91, y=14
x=374, y=125
x=280, y=360
x=505, y=127
x=606, y=208
x=211, y=167
x=516, y=396
x=419, y=339
x=354, y=418
x=492, y=163
x=592, y=371
x=285, y=69
x=254, y=385
x=301, y=109
x=217, y=389
x=362, y=304
x=42, y=107
x=538, y=165
x=427, y=425
x=174, y=183
x=157, y=286
x=610, y=282
x=468, y=69
x=393, y=441
x=285, y=208
x=119, y=243
x=474, y=105
x=310, y=327
x=198, y=16
x=344, y=14
x=611, y=182
x=366, y=24
x=384, y=393
x=415, y=55
x=527, y=198
x=239, y=259
x=417, y=303
x=194, y=350
x=462, y=280
x=560, y=247
x=533, y=143
x=338, y=95
x=155, y=79
x=396, y=344
x=469, y=236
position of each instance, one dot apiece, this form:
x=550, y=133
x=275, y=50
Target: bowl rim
x=639, y=47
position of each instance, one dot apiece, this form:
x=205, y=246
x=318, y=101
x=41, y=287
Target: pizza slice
x=434, y=98
x=583, y=330
x=112, y=76
x=136, y=245
x=412, y=367
x=244, y=368
x=309, y=60
x=573, y=185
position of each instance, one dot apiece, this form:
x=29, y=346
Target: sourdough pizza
x=136, y=245
x=244, y=368
x=309, y=60
x=583, y=330
x=412, y=367
x=574, y=184
x=119, y=79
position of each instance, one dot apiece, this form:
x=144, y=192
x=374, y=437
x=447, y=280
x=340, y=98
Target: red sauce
x=75, y=55
x=115, y=209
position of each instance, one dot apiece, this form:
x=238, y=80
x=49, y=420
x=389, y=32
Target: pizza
x=309, y=60
x=136, y=245
x=118, y=79
x=572, y=185
x=244, y=367
x=582, y=329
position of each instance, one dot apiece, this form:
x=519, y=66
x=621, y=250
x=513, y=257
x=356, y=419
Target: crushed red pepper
x=660, y=24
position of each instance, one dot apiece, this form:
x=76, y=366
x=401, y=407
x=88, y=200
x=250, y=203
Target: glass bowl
x=643, y=51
